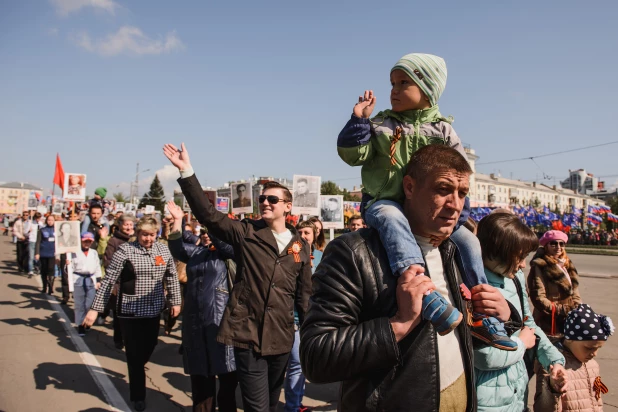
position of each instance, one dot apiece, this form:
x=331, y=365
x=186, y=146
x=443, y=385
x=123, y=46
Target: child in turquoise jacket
x=501, y=376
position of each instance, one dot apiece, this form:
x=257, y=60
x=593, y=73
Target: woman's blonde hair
x=147, y=223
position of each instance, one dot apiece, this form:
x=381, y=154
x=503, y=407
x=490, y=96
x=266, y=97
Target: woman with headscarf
x=553, y=284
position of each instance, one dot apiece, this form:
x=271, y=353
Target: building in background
x=494, y=190
x=14, y=196
x=582, y=182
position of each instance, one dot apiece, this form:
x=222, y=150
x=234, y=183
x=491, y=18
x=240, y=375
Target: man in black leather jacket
x=364, y=325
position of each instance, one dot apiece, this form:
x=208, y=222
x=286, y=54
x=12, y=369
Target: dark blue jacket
x=206, y=295
x=46, y=242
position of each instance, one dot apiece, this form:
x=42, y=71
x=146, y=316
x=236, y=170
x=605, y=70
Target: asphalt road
x=44, y=365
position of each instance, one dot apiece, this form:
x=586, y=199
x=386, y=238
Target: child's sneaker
x=491, y=331
x=444, y=317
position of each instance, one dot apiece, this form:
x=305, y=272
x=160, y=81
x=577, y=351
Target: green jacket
x=367, y=143
x=501, y=376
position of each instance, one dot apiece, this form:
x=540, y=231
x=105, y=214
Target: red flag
x=59, y=174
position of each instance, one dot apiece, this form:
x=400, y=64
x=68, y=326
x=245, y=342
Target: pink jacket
x=583, y=395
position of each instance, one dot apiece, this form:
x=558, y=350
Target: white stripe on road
x=111, y=394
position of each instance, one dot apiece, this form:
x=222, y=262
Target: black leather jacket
x=347, y=336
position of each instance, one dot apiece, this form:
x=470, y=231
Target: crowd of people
x=423, y=310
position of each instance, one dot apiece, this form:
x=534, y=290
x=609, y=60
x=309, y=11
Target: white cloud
x=129, y=40
x=66, y=7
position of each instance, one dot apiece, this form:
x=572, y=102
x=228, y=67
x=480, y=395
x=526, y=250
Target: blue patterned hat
x=583, y=324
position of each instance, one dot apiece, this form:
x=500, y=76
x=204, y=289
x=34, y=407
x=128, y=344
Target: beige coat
x=581, y=395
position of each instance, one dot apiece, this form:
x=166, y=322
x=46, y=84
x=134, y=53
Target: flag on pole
x=59, y=173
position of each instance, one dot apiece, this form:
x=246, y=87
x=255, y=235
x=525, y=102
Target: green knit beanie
x=101, y=191
x=427, y=71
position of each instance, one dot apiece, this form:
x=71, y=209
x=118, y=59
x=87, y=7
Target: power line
x=547, y=154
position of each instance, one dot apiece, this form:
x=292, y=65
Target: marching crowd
x=424, y=310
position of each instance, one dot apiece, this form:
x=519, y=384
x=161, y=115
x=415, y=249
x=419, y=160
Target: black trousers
x=203, y=392
x=22, y=255
x=65, y=278
x=140, y=338
x=260, y=378
x=47, y=273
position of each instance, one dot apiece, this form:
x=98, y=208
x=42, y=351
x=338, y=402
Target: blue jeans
x=294, y=385
x=402, y=249
x=31, y=250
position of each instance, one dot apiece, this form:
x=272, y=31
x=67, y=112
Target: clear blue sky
x=263, y=88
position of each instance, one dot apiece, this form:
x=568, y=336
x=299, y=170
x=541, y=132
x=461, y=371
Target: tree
x=120, y=198
x=155, y=196
x=329, y=188
x=347, y=196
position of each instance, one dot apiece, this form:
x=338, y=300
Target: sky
x=263, y=88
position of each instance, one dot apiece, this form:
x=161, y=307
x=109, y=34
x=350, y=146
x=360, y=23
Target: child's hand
x=365, y=105
x=558, y=378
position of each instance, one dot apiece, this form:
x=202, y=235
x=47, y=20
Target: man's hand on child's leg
x=415, y=270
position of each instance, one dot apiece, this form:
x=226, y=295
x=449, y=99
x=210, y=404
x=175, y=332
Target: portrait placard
x=119, y=207
x=74, y=186
x=58, y=208
x=32, y=202
x=223, y=204
x=149, y=209
x=67, y=237
x=331, y=213
x=130, y=208
x=242, y=200
x=306, y=195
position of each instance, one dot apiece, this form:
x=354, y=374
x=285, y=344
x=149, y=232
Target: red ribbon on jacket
x=295, y=250
x=396, y=137
x=599, y=388
x=159, y=261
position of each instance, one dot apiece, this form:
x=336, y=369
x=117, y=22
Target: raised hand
x=179, y=158
x=365, y=105
x=175, y=210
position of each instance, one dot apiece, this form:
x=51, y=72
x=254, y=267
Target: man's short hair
x=96, y=206
x=354, y=217
x=434, y=157
x=287, y=195
x=243, y=185
x=506, y=239
x=334, y=199
x=302, y=179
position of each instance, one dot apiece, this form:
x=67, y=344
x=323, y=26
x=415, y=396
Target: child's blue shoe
x=491, y=331
x=444, y=317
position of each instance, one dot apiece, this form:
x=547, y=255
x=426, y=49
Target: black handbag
x=530, y=355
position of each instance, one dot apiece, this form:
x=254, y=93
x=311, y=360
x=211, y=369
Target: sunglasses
x=556, y=244
x=271, y=199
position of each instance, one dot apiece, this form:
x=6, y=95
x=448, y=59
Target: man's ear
x=288, y=207
x=409, y=185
